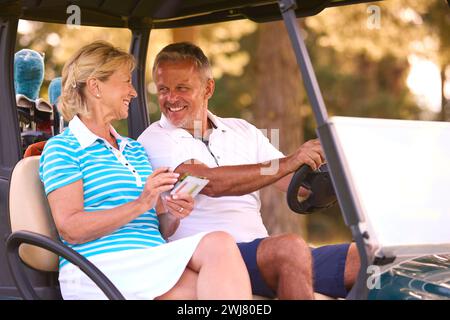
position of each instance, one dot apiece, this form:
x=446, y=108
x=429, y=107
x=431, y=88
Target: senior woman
x=103, y=193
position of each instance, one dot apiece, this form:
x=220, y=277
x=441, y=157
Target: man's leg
x=248, y=253
x=352, y=265
x=283, y=264
x=335, y=269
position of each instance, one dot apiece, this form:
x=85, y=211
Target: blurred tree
x=438, y=18
x=278, y=97
x=374, y=35
x=227, y=46
x=376, y=29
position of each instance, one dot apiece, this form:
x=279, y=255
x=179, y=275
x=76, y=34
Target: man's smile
x=176, y=109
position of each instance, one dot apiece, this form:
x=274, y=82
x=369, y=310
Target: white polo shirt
x=231, y=142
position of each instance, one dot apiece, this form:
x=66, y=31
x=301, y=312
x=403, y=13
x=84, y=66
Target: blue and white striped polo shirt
x=110, y=177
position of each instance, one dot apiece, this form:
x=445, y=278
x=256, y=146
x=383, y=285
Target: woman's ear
x=92, y=87
x=209, y=90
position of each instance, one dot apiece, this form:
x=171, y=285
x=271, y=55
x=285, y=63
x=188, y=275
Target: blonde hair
x=96, y=60
x=184, y=51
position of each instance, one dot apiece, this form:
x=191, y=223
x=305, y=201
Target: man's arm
x=244, y=179
x=283, y=183
x=233, y=180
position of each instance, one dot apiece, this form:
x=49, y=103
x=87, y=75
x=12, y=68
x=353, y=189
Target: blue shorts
x=328, y=269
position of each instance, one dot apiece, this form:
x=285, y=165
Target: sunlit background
x=399, y=68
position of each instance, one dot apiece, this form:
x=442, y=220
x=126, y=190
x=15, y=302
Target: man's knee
x=284, y=250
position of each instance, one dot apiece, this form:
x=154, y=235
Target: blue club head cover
x=28, y=73
x=54, y=90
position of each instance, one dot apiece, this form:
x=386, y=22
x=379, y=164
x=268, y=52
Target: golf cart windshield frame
x=161, y=14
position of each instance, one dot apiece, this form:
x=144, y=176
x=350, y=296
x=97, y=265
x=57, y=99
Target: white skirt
x=138, y=274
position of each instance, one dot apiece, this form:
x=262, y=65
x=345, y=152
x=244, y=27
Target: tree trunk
x=445, y=108
x=278, y=98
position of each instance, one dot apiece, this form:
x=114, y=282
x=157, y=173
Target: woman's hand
x=179, y=205
x=161, y=180
x=171, y=209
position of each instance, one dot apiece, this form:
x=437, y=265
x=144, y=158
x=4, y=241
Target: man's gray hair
x=184, y=51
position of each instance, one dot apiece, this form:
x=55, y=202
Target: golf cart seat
x=35, y=149
x=34, y=240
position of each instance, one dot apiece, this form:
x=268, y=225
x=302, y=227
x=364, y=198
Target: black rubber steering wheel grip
x=298, y=179
x=318, y=183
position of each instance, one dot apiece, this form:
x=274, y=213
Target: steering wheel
x=318, y=182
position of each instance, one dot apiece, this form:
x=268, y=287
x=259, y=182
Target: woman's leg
x=215, y=271
x=184, y=289
x=221, y=271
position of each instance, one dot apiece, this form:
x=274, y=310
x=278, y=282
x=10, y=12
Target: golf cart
x=401, y=233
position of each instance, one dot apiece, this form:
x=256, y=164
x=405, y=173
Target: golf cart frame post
x=9, y=139
x=138, y=119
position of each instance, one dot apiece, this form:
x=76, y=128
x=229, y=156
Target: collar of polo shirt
x=165, y=123
x=86, y=137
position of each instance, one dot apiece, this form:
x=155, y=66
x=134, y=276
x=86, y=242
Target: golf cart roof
x=160, y=13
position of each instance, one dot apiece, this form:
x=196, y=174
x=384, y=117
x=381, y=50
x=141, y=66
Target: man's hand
x=310, y=153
